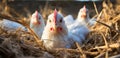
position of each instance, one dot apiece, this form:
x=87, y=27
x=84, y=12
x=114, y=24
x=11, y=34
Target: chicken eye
x=61, y=20
x=39, y=18
x=87, y=12
x=49, y=20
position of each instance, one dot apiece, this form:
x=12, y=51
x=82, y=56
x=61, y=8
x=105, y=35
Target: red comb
x=55, y=15
x=36, y=14
x=84, y=8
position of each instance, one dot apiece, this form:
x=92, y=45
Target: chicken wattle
x=37, y=23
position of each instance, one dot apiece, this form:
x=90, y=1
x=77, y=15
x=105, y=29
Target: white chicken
x=37, y=24
x=55, y=34
x=79, y=28
x=83, y=17
x=11, y=25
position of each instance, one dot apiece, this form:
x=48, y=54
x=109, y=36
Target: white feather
x=68, y=20
x=11, y=25
x=53, y=40
x=38, y=29
x=92, y=22
x=78, y=29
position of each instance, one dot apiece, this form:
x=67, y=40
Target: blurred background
x=45, y=7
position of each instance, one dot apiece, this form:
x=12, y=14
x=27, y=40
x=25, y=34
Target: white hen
x=37, y=24
x=55, y=34
x=78, y=28
x=83, y=17
x=11, y=25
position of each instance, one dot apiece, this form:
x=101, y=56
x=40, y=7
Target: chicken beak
x=36, y=16
x=55, y=28
x=84, y=13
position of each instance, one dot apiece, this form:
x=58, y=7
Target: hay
x=102, y=41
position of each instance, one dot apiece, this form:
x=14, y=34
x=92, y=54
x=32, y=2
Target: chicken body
x=55, y=34
x=37, y=24
x=11, y=25
x=69, y=20
x=78, y=29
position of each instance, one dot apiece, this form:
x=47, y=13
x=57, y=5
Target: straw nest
x=102, y=41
